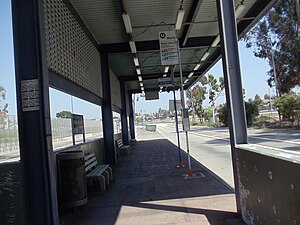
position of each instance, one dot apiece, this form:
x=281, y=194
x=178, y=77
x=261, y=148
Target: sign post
x=185, y=113
x=77, y=126
x=169, y=51
x=176, y=120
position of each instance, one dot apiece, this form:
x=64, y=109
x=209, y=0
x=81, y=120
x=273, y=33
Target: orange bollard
x=180, y=166
x=190, y=173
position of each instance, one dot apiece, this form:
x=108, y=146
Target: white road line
x=262, y=138
x=210, y=136
x=269, y=139
x=278, y=140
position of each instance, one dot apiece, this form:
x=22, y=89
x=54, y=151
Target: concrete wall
x=11, y=196
x=96, y=146
x=269, y=182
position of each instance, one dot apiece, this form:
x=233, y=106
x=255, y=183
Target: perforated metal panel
x=103, y=18
x=115, y=90
x=70, y=53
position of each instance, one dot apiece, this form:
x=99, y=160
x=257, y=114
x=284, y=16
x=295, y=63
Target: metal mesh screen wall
x=70, y=53
x=128, y=101
x=115, y=90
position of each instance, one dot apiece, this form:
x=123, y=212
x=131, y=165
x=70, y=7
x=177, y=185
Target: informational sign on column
x=185, y=120
x=30, y=95
x=168, y=48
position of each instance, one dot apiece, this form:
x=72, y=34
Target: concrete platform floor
x=149, y=189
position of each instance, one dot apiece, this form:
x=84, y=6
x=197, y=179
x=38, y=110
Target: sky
x=254, y=78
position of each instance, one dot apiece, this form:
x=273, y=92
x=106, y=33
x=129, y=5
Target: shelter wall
x=268, y=187
x=11, y=194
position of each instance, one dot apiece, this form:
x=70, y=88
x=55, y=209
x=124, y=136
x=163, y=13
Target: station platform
x=149, y=189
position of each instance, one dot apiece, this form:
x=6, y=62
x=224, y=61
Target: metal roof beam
x=191, y=18
x=142, y=46
x=157, y=75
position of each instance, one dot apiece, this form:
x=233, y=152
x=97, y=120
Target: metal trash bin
x=72, y=190
x=151, y=127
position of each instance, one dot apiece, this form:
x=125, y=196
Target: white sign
x=185, y=120
x=165, y=82
x=168, y=48
x=30, y=95
x=77, y=124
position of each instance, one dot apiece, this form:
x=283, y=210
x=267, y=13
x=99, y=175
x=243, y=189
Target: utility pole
x=274, y=71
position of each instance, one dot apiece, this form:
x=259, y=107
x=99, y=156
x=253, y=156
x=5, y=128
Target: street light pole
x=274, y=71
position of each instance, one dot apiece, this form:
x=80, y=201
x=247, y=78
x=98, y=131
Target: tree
x=289, y=106
x=64, y=114
x=257, y=100
x=195, y=100
x=223, y=115
x=267, y=97
x=276, y=35
x=3, y=103
x=215, y=90
x=251, y=113
x=207, y=114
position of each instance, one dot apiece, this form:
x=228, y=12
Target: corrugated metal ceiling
x=149, y=17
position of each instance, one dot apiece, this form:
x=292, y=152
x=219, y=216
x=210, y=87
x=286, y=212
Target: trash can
x=151, y=127
x=72, y=190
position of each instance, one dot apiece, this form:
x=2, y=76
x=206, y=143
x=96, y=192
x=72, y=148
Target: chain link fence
x=9, y=138
x=61, y=133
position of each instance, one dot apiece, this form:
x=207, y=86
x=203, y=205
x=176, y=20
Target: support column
x=124, y=122
x=34, y=113
x=107, y=118
x=233, y=83
x=131, y=118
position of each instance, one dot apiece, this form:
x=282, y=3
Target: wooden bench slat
x=98, y=170
x=88, y=156
x=89, y=161
x=91, y=166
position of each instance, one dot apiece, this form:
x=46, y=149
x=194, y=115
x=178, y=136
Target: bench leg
x=101, y=180
x=106, y=176
x=109, y=169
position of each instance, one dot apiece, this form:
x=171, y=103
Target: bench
x=122, y=148
x=131, y=141
x=96, y=172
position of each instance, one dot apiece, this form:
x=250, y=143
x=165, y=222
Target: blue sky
x=254, y=76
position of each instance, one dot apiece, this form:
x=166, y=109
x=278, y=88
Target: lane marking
x=210, y=136
x=262, y=138
x=278, y=140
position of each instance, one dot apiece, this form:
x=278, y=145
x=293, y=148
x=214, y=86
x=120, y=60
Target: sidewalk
x=149, y=189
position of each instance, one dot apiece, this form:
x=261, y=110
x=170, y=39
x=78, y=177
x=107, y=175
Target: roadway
x=211, y=146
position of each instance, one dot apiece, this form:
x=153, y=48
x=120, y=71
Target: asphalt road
x=211, y=146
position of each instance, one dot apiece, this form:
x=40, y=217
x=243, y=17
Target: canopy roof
x=104, y=22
